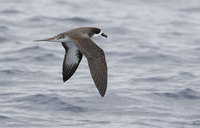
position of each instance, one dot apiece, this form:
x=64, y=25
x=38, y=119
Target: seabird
x=77, y=42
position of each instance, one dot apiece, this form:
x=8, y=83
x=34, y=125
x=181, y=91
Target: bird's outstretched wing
x=96, y=61
x=71, y=60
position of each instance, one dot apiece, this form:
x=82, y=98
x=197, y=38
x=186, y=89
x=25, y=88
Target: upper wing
x=71, y=60
x=96, y=60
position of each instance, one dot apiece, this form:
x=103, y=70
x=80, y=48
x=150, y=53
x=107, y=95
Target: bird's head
x=96, y=32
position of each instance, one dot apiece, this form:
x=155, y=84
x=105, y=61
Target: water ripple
x=3, y=118
x=31, y=49
x=191, y=10
x=53, y=101
x=3, y=28
x=71, y=19
x=184, y=94
x=10, y=12
x=3, y=39
x=152, y=49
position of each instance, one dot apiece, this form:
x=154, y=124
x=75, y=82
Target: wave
x=191, y=9
x=184, y=94
x=44, y=57
x=12, y=71
x=3, y=117
x=31, y=48
x=3, y=39
x=52, y=101
x=72, y=19
x=9, y=11
x=3, y=28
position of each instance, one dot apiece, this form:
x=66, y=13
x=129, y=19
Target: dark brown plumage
x=96, y=60
x=77, y=42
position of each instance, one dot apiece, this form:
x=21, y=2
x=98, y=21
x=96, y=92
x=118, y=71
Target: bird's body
x=77, y=42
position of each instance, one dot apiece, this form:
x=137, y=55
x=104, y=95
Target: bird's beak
x=104, y=35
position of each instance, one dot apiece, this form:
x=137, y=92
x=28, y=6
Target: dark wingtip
x=102, y=94
x=65, y=79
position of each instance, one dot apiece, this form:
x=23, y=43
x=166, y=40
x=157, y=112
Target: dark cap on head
x=96, y=31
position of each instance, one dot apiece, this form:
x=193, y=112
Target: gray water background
x=152, y=52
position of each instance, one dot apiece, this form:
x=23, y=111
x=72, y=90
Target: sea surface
x=152, y=52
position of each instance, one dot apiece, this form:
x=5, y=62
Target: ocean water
x=152, y=52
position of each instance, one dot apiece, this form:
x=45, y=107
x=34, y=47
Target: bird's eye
x=97, y=31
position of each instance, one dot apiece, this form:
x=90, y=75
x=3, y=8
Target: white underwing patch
x=72, y=53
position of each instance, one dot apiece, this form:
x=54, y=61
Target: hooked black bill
x=104, y=35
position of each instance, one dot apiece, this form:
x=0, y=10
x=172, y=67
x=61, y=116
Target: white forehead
x=97, y=35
